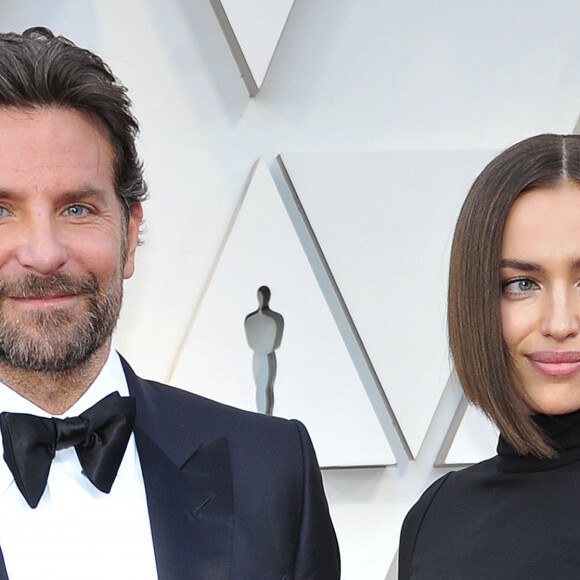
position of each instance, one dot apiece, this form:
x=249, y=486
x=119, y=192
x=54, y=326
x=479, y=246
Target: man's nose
x=562, y=314
x=40, y=247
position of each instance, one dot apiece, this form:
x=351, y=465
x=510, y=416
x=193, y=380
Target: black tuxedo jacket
x=232, y=495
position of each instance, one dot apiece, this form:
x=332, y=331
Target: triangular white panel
x=393, y=572
x=316, y=381
x=384, y=222
x=253, y=29
x=475, y=439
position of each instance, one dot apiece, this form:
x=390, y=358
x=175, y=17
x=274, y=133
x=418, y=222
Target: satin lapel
x=3, y=573
x=190, y=510
x=188, y=486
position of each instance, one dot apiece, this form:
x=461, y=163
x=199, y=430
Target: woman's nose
x=562, y=315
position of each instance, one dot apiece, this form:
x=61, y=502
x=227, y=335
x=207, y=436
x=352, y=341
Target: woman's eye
x=75, y=211
x=519, y=286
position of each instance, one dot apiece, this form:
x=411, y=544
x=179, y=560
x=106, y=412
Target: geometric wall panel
x=384, y=223
x=316, y=380
x=252, y=29
x=475, y=439
x=349, y=76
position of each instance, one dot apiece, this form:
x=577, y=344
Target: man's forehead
x=52, y=139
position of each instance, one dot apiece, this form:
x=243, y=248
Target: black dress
x=511, y=517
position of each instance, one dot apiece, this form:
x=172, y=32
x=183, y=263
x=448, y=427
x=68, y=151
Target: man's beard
x=58, y=339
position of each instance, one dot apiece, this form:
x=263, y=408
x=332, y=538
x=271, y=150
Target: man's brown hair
x=41, y=70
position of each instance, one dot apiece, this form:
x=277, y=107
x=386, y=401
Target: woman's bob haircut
x=481, y=358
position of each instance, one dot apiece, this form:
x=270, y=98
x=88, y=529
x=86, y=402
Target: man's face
x=64, y=248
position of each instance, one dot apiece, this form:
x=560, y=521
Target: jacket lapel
x=188, y=486
x=3, y=573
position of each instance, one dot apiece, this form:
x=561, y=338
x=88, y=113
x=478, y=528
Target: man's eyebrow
x=80, y=193
x=520, y=265
x=76, y=194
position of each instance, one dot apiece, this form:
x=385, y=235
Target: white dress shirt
x=77, y=531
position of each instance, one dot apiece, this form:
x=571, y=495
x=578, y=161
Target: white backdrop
x=371, y=119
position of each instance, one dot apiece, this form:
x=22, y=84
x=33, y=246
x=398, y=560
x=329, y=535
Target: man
x=202, y=491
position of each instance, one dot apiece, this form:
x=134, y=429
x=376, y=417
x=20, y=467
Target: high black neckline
x=562, y=431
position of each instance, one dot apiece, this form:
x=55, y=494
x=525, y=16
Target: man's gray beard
x=58, y=340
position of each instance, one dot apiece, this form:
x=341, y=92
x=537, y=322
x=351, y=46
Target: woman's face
x=540, y=305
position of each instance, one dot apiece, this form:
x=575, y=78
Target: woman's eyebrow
x=574, y=264
x=521, y=265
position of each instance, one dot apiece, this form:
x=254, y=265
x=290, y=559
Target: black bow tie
x=99, y=436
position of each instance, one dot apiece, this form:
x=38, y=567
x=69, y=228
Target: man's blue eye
x=75, y=210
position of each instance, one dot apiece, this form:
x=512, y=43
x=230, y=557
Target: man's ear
x=133, y=226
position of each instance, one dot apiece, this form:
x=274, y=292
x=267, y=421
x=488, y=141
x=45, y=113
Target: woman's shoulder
x=453, y=481
x=442, y=496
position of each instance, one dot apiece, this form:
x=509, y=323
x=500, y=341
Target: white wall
x=356, y=90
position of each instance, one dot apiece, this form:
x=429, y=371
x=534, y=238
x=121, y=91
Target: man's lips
x=556, y=363
x=47, y=299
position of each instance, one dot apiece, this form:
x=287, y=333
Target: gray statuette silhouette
x=264, y=329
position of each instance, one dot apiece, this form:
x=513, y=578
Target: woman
x=514, y=330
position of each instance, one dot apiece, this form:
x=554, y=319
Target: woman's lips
x=556, y=363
